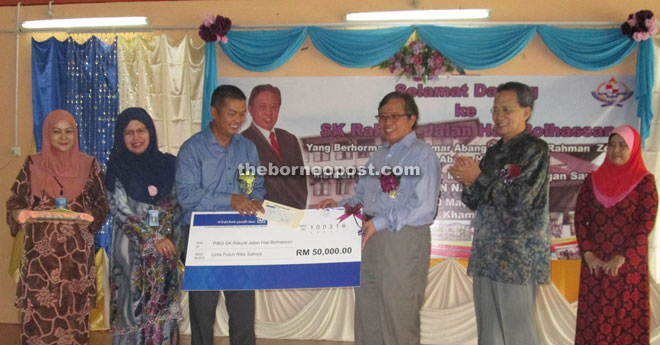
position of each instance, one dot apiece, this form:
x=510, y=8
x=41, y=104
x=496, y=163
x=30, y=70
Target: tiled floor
x=11, y=336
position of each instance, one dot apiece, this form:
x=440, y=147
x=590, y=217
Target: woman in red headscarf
x=614, y=213
x=57, y=285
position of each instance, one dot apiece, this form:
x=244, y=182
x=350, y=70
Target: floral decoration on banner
x=214, y=29
x=389, y=183
x=246, y=182
x=510, y=172
x=640, y=26
x=420, y=62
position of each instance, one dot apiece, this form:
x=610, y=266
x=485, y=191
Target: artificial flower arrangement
x=214, y=29
x=246, y=182
x=389, y=183
x=510, y=172
x=640, y=26
x=420, y=62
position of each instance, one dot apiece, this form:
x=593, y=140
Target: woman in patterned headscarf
x=57, y=285
x=614, y=213
x=144, y=277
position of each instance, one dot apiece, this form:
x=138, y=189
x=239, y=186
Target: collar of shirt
x=512, y=141
x=264, y=132
x=212, y=141
x=407, y=141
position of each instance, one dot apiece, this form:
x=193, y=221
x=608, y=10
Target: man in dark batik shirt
x=511, y=246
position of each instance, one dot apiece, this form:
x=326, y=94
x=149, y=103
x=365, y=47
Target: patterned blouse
x=57, y=285
x=145, y=286
x=511, y=238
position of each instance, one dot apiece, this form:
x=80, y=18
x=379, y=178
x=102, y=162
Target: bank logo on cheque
x=612, y=93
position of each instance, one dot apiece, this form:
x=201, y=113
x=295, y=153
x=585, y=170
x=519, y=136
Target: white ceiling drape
x=167, y=79
x=447, y=314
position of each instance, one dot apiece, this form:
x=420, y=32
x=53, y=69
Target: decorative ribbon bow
x=355, y=211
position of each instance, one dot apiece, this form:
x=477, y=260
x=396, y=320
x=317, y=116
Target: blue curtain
x=359, y=48
x=478, y=48
x=82, y=79
x=597, y=49
x=644, y=87
x=48, y=82
x=587, y=49
x=210, y=81
x=469, y=48
x=263, y=51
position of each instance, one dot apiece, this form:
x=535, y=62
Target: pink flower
x=64, y=337
x=641, y=36
x=55, y=275
x=418, y=49
x=224, y=39
x=35, y=341
x=152, y=190
x=417, y=61
x=214, y=28
x=389, y=182
x=43, y=247
x=27, y=313
x=208, y=20
x=45, y=298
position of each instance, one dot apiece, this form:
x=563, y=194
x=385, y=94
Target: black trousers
x=240, y=307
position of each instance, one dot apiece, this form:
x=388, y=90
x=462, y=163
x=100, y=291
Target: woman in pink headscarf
x=614, y=213
x=57, y=285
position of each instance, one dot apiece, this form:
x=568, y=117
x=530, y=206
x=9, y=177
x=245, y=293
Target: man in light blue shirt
x=396, y=238
x=207, y=180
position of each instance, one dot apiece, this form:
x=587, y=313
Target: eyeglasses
x=139, y=131
x=393, y=117
x=505, y=110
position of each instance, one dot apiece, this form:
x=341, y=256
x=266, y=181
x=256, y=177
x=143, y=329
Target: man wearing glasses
x=398, y=211
x=511, y=246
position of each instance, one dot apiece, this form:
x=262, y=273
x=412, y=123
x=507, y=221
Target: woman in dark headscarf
x=614, y=213
x=57, y=284
x=144, y=275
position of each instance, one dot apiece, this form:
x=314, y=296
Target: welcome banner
x=333, y=118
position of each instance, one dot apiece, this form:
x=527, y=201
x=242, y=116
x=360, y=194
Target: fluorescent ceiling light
x=419, y=15
x=85, y=23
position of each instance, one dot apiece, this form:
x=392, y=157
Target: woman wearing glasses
x=144, y=277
